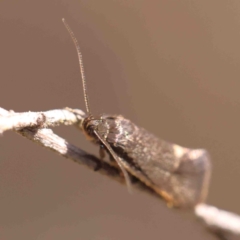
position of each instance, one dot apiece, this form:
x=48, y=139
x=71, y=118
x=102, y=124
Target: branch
x=33, y=125
x=221, y=222
x=9, y=120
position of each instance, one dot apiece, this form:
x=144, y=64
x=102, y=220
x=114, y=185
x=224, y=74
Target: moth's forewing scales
x=192, y=176
x=178, y=174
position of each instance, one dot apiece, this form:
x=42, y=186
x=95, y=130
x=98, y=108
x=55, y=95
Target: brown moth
x=180, y=175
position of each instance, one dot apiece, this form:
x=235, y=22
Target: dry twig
x=34, y=126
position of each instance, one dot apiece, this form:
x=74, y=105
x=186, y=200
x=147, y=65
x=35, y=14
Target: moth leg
x=118, y=160
x=102, y=155
x=102, y=152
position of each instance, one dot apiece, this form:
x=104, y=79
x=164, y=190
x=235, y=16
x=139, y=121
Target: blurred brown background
x=172, y=67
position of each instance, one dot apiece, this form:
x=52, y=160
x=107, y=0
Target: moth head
x=91, y=124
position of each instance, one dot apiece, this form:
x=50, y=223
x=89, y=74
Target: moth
x=178, y=174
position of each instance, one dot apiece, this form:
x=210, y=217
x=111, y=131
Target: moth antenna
x=118, y=160
x=86, y=99
x=80, y=60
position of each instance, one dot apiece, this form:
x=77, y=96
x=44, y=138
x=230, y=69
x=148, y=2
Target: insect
x=180, y=175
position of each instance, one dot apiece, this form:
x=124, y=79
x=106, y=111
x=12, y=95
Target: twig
x=33, y=125
x=219, y=221
x=48, y=139
x=34, y=128
x=13, y=121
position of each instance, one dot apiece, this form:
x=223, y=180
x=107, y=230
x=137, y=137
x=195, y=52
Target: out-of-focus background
x=172, y=67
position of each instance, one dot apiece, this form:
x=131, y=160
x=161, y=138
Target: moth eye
x=90, y=129
x=92, y=126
